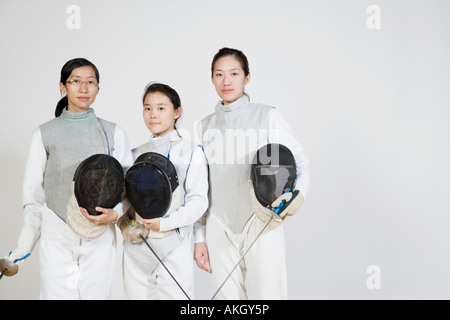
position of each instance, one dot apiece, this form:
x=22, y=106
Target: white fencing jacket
x=190, y=163
x=230, y=137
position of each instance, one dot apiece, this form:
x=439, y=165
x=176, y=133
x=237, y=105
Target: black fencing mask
x=99, y=182
x=273, y=172
x=149, y=184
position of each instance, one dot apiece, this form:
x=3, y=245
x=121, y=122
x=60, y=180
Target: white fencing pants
x=265, y=262
x=72, y=268
x=146, y=279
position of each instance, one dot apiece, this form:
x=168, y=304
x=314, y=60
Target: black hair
x=168, y=91
x=66, y=71
x=238, y=55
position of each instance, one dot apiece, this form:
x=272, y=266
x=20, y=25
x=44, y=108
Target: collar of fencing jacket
x=69, y=115
x=232, y=106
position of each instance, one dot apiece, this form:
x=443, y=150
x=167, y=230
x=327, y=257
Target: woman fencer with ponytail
x=71, y=267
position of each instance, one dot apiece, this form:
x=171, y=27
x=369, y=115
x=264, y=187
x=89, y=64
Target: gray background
x=370, y=107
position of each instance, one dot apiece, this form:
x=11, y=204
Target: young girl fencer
x=170, y=235
x=70, y=267
x=230, y=223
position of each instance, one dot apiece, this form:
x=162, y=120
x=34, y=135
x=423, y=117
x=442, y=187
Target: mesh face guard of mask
x=273, y=172
x=149, y=184
x=99, y=182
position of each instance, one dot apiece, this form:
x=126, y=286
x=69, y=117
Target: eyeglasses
x=79, y=83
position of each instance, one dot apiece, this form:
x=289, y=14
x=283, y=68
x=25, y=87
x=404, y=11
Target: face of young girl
x=159, y=113
x=229, y=79
x=81, y=89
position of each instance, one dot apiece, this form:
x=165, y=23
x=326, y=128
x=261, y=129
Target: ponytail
x=62, y=104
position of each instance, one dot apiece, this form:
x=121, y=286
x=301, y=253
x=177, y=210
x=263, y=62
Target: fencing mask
x=150, y=183
x=273, y=172
x=272, y=181
x=98, y=182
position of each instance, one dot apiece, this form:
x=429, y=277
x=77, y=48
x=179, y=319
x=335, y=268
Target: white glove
x=131, y=229
x=28, y=237
x=286, y=212
x=18, y=256
x=290, y=208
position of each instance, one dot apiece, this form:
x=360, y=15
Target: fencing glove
x=28, y=237
x=292, y=203
x=131, y=229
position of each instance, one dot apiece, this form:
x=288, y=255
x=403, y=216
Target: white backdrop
x=363, y=84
